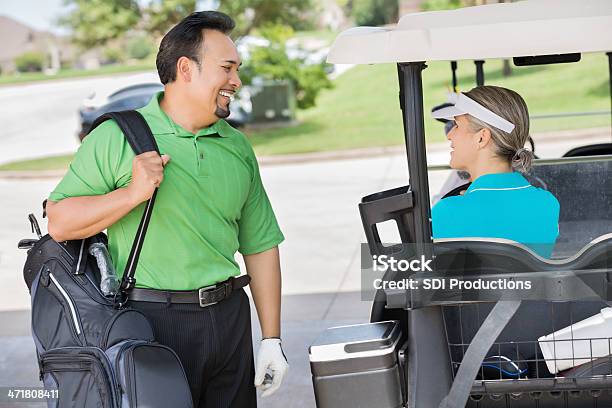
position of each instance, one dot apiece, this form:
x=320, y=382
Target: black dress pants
x=214, y=346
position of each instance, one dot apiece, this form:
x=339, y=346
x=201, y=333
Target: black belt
x=206, y=296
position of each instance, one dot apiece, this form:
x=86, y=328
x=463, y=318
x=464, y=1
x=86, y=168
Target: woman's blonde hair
x=512, y=107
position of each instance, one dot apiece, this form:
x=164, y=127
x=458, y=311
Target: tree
x=272, y=62
x=248, y=14
x=95, y=22
x=252, y=14
x=164, y=14
x=375, y=12
x=140, y=47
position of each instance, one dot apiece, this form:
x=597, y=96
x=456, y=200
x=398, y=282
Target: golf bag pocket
x=82, y=375
x=149, y=375
x=126, y=324
x=55, y=319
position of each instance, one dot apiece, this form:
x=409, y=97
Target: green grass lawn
x=47, y=163
x=75, y=73
x=363, y=108
x=324, y=35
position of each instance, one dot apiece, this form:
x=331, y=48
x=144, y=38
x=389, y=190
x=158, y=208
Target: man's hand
x=147, y=175
x=270, y=363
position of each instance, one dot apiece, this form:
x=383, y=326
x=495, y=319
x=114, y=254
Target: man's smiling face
x=215, y=82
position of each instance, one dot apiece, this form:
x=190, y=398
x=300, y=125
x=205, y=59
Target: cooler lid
x=360, y=340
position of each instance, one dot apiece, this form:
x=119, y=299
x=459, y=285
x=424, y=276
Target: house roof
x=18, y=38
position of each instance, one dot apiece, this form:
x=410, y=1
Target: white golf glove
x=270, y=366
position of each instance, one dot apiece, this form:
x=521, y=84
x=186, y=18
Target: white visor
x=462, y=105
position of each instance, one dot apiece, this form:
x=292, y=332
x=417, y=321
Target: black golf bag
x=91, y=347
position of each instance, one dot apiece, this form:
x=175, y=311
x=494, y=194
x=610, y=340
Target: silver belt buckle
x=201, y=291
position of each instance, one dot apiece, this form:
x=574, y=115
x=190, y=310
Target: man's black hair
x=185, y=40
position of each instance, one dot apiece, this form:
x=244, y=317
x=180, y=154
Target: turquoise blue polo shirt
x=500, y=205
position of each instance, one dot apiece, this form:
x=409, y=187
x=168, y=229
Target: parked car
x=109, y=98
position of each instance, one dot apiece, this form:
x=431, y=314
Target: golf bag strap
x=140, y=138
x=491, y=328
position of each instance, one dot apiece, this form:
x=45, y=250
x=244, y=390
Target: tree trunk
x=507, y=68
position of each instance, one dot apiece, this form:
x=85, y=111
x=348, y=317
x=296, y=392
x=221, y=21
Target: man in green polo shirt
x=210, y=204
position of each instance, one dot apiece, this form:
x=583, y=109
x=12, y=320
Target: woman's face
x=464, y=144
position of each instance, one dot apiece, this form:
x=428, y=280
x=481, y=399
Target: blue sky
x=42, y=14
x=38, y=14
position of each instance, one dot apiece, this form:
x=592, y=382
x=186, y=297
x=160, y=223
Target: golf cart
x=425, y=348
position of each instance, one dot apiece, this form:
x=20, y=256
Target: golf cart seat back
x=582, y=187
x=584, y=191
x=598, y=149
x=473, y=255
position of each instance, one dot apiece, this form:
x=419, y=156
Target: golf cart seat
x=496, y=254
x=584, y=191
x=598, y=149
x=583, y=188
x=564, y=291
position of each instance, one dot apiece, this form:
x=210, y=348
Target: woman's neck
x=488, y=167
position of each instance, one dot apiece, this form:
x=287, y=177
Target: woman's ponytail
x=522, y=160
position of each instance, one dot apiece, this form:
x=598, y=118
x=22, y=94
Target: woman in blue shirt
x=491, y=128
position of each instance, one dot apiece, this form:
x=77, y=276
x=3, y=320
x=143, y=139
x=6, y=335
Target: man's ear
x=184, y=69
x=483, y=138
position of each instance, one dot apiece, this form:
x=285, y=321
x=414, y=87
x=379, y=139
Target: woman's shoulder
x=447, y=206
x=546, y=198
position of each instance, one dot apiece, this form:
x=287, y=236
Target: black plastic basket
x=531, y=384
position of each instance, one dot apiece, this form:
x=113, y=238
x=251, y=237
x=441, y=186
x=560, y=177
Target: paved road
x=41, y=119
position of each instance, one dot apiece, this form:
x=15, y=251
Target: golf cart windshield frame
x=411, y=104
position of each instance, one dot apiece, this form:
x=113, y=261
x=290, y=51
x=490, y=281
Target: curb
x=31, y=174
x=368, y=152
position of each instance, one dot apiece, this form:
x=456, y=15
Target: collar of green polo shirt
x=211, y=204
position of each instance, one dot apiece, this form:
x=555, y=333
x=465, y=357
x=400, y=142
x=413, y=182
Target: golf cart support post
x=425, y=382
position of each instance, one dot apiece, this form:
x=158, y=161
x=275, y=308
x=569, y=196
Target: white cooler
x=579, y=343
x=357, y=366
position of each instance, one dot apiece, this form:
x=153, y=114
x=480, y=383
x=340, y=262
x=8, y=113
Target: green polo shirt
x=210, y=204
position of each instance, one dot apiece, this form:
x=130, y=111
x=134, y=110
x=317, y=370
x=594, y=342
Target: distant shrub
x=431, y=5
x=112, y=55
x=140, y=47
x=273, y=63
x=32, y=61
x=375, y=12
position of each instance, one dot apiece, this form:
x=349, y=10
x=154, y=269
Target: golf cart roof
x=504, y=30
